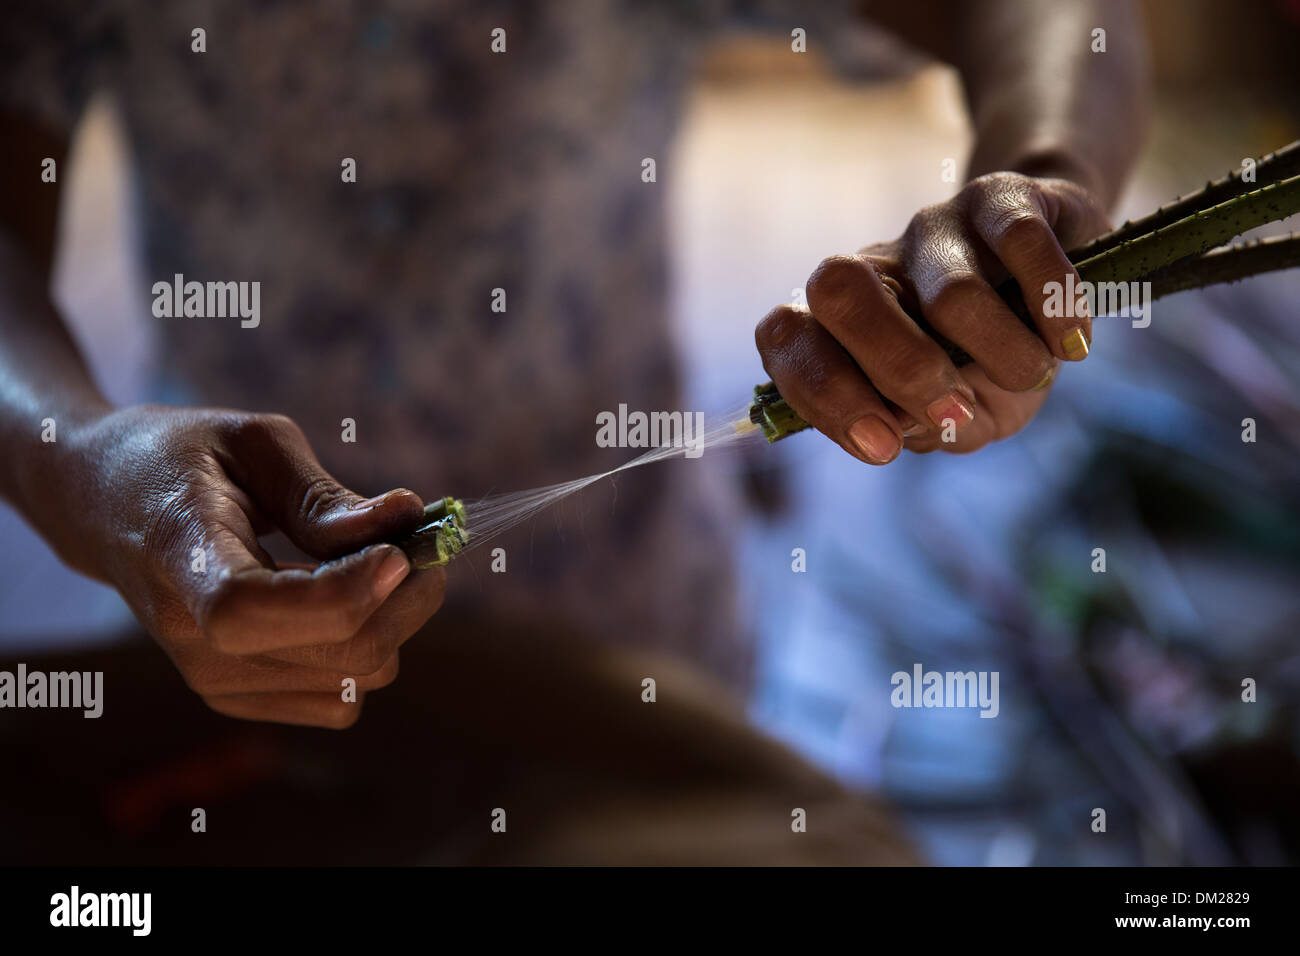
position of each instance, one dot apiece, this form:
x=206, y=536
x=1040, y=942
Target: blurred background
x=1119, y=690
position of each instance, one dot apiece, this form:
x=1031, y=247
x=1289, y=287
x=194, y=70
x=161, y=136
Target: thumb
x=269, y=457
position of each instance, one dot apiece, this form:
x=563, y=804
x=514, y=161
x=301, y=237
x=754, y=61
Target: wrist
x=58, y=479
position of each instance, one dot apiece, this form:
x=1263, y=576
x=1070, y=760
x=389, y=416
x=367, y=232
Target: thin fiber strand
x=489, y=517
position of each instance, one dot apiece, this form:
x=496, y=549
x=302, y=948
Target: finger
x=822, y=383
x=1002, y=413
x=211, y=674
x=904, y=364
x=311, y=710
x=1010, y=216
x=388, y=628
x=246, y=608
x=967, y=311
x=269, y=457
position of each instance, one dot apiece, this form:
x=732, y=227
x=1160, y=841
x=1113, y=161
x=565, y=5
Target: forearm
x=1041, y=101
x=42, y=377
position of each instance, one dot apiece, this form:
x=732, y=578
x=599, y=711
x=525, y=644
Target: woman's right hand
x=167, y=504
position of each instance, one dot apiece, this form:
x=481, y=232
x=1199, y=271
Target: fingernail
x=874, y=440
x=910, y=426
x=951, y=406
x=1047, y=380
x=1075, y=345
x=391, y=571
x=374, y=502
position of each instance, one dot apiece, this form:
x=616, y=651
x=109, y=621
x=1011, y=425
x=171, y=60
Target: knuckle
x=978, y=191
x=274, y=424
x=239, y=709
x=340, y=715
x=1017, y=228
x=833, y=276
x=215, y=703
x=924, y=221
x=200, y=684
x=997, y=183
x=223, y=639
x=383, y=674
x=368, y=655
x=778, y=328
x=267, y=433
x=998, y=201
x=894, y=287
x=789, y=355
x=261, y=428
x=814, y=377
x=839, y=267
x=955, y=297
x=218, y=613
x=317, y=496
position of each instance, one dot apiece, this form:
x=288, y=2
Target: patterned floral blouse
x=475, y=170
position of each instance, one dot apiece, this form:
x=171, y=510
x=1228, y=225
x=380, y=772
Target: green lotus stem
x=1229, y=264
x=770, y=412
x=1134, y=259
x=442, y=535
x=1276, y=166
